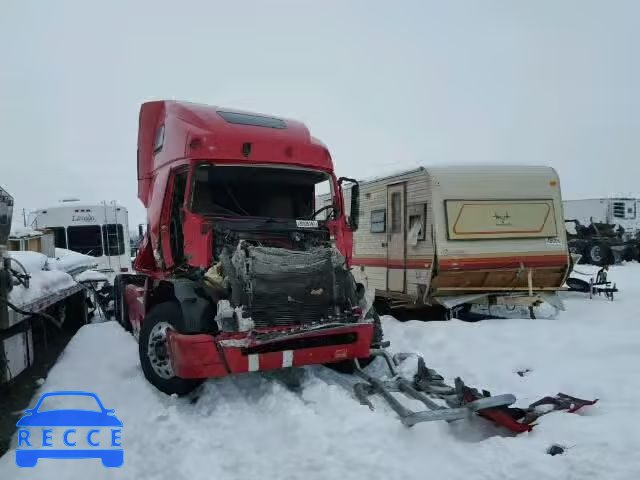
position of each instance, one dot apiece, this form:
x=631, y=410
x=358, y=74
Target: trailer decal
x=478, y=219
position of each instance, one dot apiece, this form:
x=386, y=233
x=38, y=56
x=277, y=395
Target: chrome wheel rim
x=157, y=350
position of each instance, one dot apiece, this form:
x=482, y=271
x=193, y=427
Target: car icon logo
x=35, y=431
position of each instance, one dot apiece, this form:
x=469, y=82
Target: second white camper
x=462, y=235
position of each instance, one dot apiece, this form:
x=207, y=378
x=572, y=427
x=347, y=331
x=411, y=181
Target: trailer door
x=396, y=237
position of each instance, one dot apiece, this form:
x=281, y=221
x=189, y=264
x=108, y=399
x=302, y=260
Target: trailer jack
x=460, y=401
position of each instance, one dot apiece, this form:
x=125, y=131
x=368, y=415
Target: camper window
x=416, y=226
x=378, y=221
x=113, y=239
x=86, y=239
x=396, y=212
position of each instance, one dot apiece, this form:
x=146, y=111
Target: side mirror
x=354, y=217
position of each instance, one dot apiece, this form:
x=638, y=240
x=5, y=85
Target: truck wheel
x=599, y=254
x=154, y=357
x=631, y=253
x=120, y=310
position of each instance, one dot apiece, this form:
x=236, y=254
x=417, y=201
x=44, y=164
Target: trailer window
x=378, y=221
x=396, y=212
x=113, y=239
x=59, y=237
x=416, y=226
x=85, y=239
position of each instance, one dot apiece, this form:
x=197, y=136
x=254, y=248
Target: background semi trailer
x=462, y=235
x=236, y=273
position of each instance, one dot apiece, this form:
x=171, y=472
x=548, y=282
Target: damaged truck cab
x=239, y=270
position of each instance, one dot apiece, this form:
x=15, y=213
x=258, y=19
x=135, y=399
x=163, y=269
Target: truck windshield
x=257, y=191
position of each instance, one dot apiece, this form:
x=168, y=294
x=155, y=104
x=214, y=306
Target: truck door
x=171, y=232
x=396, y=237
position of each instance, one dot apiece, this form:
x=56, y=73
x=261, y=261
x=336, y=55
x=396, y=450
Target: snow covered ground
x=254, y=427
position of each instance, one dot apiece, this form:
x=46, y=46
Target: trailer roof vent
x=70, y=199
x=252, y=120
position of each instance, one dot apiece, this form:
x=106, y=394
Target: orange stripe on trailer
x=503, y=262
x=411, y=263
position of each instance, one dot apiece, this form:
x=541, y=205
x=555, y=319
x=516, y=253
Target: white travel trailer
x=97, y=229
x=462, y=235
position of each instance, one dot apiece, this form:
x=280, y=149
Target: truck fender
x=198, y=310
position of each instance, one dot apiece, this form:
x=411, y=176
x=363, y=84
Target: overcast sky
x=386, y=85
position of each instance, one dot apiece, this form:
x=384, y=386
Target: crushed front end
x=283, y=297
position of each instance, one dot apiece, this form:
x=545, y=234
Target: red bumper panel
x=203, y=356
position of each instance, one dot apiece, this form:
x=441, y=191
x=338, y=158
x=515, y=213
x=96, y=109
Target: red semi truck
x=237, y=272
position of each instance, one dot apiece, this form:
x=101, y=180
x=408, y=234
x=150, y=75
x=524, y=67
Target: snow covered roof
x=24, y=232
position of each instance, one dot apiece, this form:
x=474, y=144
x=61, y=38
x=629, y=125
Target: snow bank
x=91, y=276
x=69, y=261
x=32, y=261
x=252, y=426
x=40, y=284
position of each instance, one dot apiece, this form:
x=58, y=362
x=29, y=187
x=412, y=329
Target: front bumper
x=209, y=356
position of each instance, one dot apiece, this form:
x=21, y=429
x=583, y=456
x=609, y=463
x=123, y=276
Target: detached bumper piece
x=460, y=401
x=208, y=356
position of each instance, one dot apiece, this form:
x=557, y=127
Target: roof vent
x=70, y=199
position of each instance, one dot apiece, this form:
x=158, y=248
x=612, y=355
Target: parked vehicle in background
x=620, y=212
x=601, y=243
x=97, y=229
x=462, y=235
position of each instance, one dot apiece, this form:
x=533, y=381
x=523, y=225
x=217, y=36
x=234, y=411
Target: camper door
x=396, y=237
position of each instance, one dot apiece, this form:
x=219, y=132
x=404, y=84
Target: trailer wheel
x=154, y=357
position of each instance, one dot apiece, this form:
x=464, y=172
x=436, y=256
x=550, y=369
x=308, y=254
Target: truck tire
x=154, y=357
x=630, y=253
x=120, y=310
x=599, y=254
